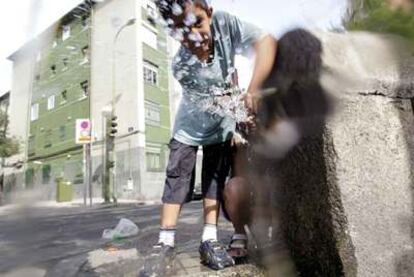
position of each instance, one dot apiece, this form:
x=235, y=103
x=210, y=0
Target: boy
x=203, y=66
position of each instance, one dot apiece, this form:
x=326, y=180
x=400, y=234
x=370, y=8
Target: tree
x=383, y=16
x=8, y=146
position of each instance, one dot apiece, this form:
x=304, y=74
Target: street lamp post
x=111, y=131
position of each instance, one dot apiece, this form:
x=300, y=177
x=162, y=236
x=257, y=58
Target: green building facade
x=156, y=91
x=61, y=94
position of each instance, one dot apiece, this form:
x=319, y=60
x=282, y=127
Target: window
x=53, y=69
x=62, y=133
x=152, y=113
x=65, y=32
x=34, y=112
x=51, y=102
x=85, y=54
x=29, y=177
x=37, y=77
x=78, y=179
x=85, y=21
x=48, y=138
x=150, y=74
x=153, y=161
x=32, y=145
x=149, y=37
x=85, y=88
x=151, y=13
x=64, y=96
x=46, y=170
x=73, y=171
x=65, y=62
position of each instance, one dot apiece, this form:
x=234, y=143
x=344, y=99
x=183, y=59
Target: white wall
x=19, y=103
x=108, y=17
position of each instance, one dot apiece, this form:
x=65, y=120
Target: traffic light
x=113, y=124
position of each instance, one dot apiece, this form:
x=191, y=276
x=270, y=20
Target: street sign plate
x=83, y=131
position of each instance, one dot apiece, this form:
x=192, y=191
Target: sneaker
x=159, y=261
x=214, y=255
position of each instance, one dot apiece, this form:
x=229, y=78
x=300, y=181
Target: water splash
x=226, y=103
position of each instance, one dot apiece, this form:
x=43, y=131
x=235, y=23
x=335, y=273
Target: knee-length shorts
x=179, y=183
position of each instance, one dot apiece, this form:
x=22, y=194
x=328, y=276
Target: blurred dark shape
x=291, y=118
x=298, y=105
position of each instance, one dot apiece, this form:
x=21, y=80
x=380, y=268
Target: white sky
x=21, y=20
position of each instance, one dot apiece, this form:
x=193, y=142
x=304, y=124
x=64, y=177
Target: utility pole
x=111, y=127
x=111, y=131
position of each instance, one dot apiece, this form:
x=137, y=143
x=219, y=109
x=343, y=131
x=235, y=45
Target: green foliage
x=377, y=16
x=8, y=146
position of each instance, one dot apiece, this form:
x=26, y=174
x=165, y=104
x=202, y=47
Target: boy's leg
x=216, y=166
x=178, y=186
x=211, y=208
x=237, y=203
x=177, y=190
x=237, y=192
x=169, y=214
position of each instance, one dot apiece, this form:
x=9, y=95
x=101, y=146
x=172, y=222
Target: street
x=63, y=241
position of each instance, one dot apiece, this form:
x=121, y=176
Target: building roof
x=44, y=37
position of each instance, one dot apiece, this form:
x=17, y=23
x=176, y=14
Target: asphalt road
x=42, y=237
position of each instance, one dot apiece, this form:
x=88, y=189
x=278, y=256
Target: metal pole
x=89, y=171
x=89, y=146
x=105, y=181
x=111, y=142
x=112, y=138
x=84, y=175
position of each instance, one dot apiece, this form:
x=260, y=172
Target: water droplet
x=190, y=19
x=176, y=9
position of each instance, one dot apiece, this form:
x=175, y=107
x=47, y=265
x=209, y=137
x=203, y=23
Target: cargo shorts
x=179, y=183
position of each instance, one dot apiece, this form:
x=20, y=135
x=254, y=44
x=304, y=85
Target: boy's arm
x=265, y=50
x=245, y=37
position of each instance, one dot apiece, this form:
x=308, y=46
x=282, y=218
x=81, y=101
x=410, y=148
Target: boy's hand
x=252, y=102
x=238, y=140
x=251, y=123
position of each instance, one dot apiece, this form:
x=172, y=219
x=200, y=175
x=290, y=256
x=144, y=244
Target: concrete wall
x=348, y=192
x=373, y=142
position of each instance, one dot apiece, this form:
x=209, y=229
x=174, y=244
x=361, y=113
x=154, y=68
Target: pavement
x=65, y=240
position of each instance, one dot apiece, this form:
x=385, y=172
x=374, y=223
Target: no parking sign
x=83, y=131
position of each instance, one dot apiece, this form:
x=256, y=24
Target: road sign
x=83, y=131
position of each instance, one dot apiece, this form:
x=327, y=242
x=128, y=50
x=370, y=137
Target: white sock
x=167, y=237
x=209, y=232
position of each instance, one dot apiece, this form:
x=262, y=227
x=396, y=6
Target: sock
x=209, y=232
x=167, y=237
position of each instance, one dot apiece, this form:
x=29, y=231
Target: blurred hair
x=295, y=75
x=298, y=58
x=165, y=7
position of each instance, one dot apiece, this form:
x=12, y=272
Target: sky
x=21, y=20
